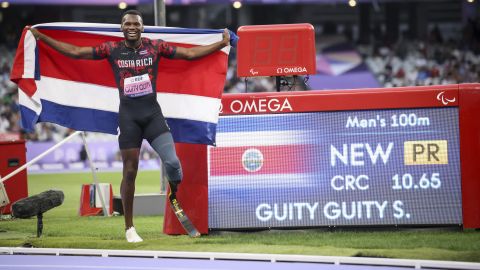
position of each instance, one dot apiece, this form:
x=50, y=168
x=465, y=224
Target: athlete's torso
x=135, y=71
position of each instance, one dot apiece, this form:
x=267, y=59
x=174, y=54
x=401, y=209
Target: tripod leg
x=39, y=224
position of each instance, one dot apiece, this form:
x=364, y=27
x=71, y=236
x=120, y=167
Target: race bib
x=137, y=86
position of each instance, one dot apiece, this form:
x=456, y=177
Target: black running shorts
x=134, y=128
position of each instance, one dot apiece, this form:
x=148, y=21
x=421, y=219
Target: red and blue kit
x=135, y=72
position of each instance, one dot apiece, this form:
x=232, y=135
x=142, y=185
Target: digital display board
x=276, y=50
x=336, y=168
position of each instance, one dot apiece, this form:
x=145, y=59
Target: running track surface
x=45, y=262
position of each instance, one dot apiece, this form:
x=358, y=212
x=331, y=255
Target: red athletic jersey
x=135, y=70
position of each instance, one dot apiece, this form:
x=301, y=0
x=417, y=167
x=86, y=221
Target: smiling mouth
x=132, y=34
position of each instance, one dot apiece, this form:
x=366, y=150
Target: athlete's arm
x=199, y=51
x=62, y=47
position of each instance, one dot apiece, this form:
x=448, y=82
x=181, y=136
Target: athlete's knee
x=165, y=148
x=174, y=170
x=130, y=175
x=130, y=171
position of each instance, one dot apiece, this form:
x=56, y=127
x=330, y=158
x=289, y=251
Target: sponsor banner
x=314, y=101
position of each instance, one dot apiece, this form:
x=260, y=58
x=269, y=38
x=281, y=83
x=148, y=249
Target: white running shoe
x=132, y=236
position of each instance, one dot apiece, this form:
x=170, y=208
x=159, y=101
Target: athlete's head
x=132, y=24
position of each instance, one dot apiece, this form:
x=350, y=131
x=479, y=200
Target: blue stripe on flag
x=37, y=63
x=29, y=118
x=183, y=130
x=191, y=131
x=79, y=118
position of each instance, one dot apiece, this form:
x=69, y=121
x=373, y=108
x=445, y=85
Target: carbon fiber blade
x=181, y=216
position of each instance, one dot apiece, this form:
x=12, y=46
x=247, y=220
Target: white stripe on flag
x=28, y=102
x=190, y=107
x=29, y=45
x=91, y=96
x=76, y=24
x=262, y=138
x=77, y=94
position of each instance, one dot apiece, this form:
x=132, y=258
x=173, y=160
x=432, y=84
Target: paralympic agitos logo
x=261, y=105
x=441, y=97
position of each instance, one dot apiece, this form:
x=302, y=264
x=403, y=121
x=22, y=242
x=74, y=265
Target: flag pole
x=159, y=12
x=160, y=20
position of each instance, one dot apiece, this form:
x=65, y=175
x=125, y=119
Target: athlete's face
x=132, y=27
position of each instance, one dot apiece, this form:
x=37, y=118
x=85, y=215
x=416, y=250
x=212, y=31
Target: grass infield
x=63, y=228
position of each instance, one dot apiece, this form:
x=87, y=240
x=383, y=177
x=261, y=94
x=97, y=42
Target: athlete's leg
x=127, y=188
x=158, y=135
x=130, y=141
x=165, y=148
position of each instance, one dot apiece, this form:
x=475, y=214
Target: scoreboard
x=337, y=168
x=400, y=156
x=276, y=50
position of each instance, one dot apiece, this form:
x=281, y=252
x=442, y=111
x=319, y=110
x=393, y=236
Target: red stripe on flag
x=56, y=65
x=27, y=85
x=276, y=160
x=175, y=76
x=188, y=77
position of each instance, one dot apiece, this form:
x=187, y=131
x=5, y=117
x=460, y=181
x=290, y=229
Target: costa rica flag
x=82, y=94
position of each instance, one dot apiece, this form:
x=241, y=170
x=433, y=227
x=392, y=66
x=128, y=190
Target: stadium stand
x=430, y=62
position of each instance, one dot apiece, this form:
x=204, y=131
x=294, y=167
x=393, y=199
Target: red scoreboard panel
x=276, y=50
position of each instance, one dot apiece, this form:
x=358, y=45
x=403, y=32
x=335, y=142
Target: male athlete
x=135, y=62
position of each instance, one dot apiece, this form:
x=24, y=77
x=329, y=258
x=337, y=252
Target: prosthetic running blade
x=181, y=216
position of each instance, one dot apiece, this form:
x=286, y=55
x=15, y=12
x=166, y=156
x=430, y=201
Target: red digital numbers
x=262, y=55
x=288, y=49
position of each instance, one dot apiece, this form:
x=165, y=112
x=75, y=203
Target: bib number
x=137, y=86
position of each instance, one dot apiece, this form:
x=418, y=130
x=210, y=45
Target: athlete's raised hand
x=200, y=51
x=226, y=37
x=62, y=47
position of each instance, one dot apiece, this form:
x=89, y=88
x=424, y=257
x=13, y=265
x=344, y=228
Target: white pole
x=97, y=186
x=39, y=156
x=159, y=12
